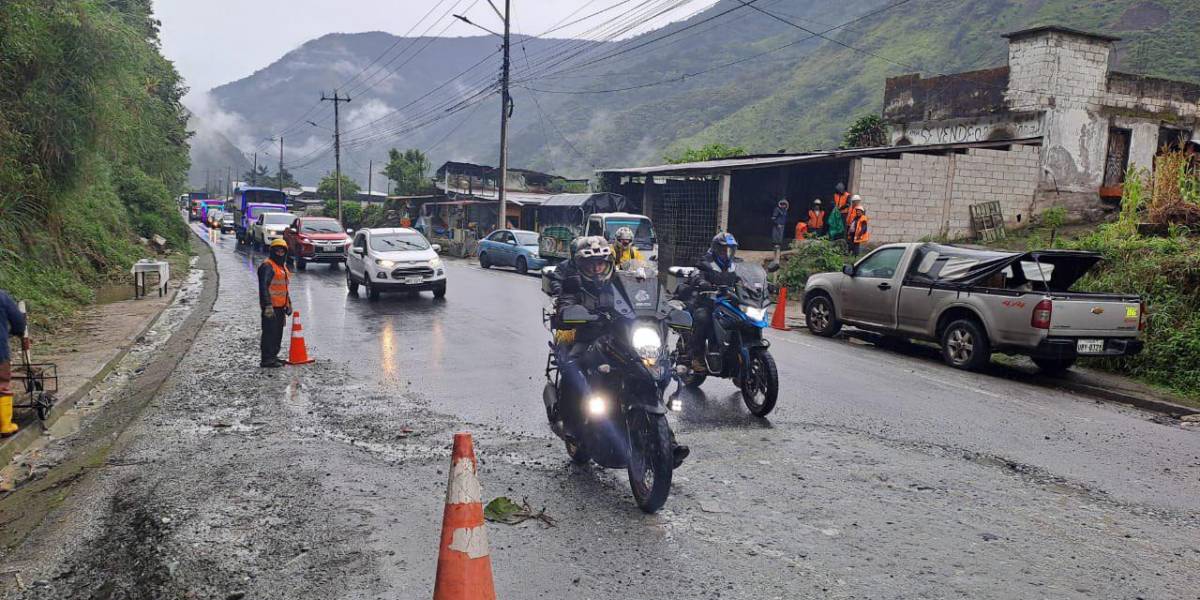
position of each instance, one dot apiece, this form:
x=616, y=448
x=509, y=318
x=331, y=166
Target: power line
x=723, y=65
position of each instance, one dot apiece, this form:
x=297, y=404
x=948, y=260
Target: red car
x=316, y=239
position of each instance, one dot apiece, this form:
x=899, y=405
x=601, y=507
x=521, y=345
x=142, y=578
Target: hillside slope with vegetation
x=742, y=78
x=93, y=145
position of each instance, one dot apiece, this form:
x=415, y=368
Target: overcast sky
x=217, y=41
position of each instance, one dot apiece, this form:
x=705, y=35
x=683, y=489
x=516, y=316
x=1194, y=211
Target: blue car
x=511, y=248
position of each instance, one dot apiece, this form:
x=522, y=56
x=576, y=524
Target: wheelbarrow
x=38, y=380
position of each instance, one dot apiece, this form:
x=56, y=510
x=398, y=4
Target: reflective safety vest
x=816, y=220
x=859, y=232
x=278, y=290
x=801, y=230
x=842, y=202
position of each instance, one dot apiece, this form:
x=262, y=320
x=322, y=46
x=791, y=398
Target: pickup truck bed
x=1018, y=303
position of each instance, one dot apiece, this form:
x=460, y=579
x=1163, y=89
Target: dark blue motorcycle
x=741, y=353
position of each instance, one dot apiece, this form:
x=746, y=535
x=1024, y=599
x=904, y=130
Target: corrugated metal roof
x=727, y=165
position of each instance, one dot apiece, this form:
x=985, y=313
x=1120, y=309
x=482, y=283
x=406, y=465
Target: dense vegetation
x=93, y=146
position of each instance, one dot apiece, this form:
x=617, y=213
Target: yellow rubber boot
x=7, y=427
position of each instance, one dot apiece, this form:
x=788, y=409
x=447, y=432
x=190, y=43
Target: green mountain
x=788, y=89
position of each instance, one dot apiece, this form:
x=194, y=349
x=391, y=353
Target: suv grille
x=402, y=272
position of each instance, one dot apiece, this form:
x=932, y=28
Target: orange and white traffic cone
x=297, y=350
x=779, y=317
x=464, y=570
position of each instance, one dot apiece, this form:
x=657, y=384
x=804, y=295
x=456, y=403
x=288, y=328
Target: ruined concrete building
x=1054, y=127
x=1091, y=122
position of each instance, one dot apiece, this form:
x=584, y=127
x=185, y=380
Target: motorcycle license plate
x=412, y=280
x=1089, y=346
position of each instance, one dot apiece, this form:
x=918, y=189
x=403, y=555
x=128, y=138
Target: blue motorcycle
x=741, y=353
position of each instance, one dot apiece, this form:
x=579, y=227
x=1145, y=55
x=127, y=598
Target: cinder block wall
x=918, y=195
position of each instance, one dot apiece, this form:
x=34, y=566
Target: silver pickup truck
x=976, y=302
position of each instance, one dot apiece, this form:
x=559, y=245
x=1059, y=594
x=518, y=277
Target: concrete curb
x=1139, y=401
x=11, y=446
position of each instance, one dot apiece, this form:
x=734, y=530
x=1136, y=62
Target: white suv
x=396, y=259
x=269, y=227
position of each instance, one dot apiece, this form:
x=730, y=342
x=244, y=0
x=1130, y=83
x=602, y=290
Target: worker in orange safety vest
x=801, y=230
x=841, y=201
x=274, y=302
x=816, y=218
x=858, y=228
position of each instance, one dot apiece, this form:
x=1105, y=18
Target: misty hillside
x=790, y=91
x=212, y=154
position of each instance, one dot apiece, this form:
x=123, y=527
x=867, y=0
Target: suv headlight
x=436, y=263
x=387, y=264
x=646, y=342
x=754, y=312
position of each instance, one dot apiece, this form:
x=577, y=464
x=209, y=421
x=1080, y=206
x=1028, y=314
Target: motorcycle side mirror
x=679, y=319
x=772, y=266
x=848, y=270
x=578, y=315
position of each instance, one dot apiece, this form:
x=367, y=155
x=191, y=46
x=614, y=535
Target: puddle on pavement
x=108, y=294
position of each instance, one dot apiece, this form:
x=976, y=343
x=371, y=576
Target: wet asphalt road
x=880, y=475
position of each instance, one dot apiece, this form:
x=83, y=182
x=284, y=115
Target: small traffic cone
x=779, y=316
x=297, y=350
x=464, y=570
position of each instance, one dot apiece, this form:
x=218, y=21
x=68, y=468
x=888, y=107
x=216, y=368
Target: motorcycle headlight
x=436, y=263
x=754, y=313
x=387, y=264
x=647, y=342
x=597, y=406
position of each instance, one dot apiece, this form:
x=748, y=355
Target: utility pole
x=505, y=109
x=254, y=171
x=370, y=174
x=229, y=181
x=337, y=143
x=281, y=163
x=208, y=182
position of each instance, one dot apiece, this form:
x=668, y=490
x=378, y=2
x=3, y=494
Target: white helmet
x=624, y=236
x=593, y=258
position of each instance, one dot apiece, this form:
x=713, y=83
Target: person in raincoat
x=836, y=225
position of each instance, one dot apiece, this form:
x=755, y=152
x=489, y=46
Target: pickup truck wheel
x=820, y=317
x=965, y=345
x=1054, y=366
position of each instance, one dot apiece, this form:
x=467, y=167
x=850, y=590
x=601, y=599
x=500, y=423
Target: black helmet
x=723, y=248
x=593, y=259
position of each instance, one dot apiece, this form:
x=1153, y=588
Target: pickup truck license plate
x=416, y=280
x=331, y=248
x=1089, y=346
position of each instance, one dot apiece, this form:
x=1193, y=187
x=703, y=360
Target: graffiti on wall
x=956, y=133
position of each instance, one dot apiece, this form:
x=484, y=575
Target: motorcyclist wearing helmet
x=714, y=270
x=624, y=250
x=589, y=272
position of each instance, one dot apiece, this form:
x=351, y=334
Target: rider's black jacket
x=708, y=274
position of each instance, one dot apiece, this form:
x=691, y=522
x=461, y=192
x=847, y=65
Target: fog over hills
x=740, y=78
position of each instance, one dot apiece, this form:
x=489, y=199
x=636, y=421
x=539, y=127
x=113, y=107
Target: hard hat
x=855, y=199
x=817, y=202
x=279, y=243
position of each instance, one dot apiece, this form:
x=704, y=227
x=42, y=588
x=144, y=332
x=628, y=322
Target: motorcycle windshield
x=638, y=283
x=752, y=285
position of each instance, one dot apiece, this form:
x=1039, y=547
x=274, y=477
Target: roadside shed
x=910, y=191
